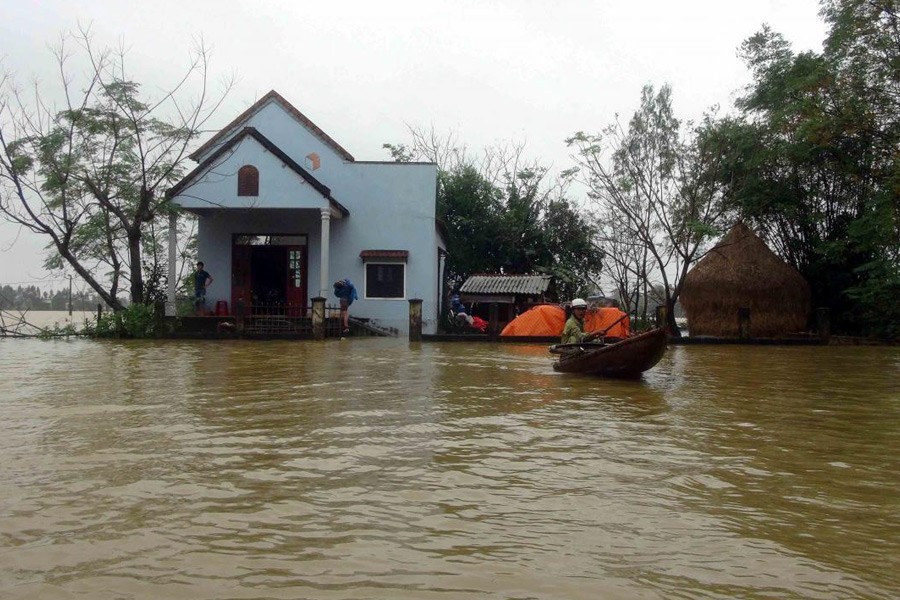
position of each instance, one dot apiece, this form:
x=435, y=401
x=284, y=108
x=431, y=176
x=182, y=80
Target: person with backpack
x=346, y=293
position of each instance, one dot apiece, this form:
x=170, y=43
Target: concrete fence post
x=318, y=317
x=415, y=319
x=493, y=322
x=823, y=323
x=661, y=316
x=744, y=323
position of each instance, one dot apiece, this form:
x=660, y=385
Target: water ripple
x=382, y=469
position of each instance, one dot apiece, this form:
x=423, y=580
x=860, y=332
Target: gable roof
x=506, y=284
x=266, y=143
x=256, y=107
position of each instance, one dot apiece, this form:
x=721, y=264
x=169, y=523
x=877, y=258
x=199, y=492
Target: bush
x=136, y=321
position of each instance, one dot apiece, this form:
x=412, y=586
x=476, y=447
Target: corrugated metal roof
x=506, y=284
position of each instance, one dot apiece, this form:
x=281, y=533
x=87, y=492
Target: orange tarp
x=603, y=318
x=548, y=320
x=540, y=320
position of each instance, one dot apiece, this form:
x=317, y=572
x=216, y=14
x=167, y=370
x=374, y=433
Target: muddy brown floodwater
x=376, y=468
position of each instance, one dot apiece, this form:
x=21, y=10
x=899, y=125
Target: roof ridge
x=272, y=95
x=266, y=143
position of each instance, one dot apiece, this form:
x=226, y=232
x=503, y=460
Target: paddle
x=600, y=333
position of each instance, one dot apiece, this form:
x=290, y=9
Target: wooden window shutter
x=248, y=181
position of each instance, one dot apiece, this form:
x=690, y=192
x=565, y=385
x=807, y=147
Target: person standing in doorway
x=202, y=280
x=346, y=293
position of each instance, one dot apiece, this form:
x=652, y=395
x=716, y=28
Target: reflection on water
x=380, y=469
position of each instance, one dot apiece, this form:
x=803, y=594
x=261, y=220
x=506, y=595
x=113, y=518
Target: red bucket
x=221, y=308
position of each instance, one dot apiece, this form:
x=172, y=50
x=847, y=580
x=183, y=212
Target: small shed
x=742, y=272
x=513, y=293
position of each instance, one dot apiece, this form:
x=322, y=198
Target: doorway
x=269, y=274
x=268, y=269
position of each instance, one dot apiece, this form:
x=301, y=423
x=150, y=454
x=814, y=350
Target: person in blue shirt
x=202, y=280
x=455, y=304
x=459, y=310
x=346, y=293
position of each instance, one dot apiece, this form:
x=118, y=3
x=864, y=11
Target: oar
x=602, y=332
x=560, y=348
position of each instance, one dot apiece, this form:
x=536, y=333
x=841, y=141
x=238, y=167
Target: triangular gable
x=266, y=143
x=272, y=96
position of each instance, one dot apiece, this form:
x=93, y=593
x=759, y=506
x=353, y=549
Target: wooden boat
x=626, y=358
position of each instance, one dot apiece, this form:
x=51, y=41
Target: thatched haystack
x=741, y=272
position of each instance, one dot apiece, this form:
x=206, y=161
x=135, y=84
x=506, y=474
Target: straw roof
x=742, y=272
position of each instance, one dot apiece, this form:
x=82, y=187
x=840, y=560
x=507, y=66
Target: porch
x=273, y=321
x=267, y=262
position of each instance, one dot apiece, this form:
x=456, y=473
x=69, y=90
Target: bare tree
x=89, y=173
x=652, y=181
x=625, y=260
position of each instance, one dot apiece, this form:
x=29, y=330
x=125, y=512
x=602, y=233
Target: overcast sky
x=488, y=70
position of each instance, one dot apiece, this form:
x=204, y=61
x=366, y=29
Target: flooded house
x=284, y=210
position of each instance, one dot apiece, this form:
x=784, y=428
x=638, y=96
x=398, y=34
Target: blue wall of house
x=391, y=206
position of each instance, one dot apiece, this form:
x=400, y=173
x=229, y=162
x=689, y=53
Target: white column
x=172, y=268
x=323, y=257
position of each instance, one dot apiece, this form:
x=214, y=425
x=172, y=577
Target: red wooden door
x=241, y=279
x=295, y=286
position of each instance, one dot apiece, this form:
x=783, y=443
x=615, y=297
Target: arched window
x=248, y=181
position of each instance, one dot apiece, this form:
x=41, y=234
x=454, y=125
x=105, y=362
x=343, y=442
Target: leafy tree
x=573, y=258
x=90, y=176
x=813, y=159
x=504, y=213
x=470, y=208
x=32, y=298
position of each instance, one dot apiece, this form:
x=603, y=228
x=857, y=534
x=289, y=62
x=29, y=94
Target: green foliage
x=58, y=331
x=400, y=152
x=155, y=283
x=657, y=196
x=504, y=214
x=813, y=163
x=92, y=175
x=518, y=227
x=573, y=259
x=470, y=209
x=135, y=321
x=28, y=298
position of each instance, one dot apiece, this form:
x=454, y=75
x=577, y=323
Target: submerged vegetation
x=139, y=321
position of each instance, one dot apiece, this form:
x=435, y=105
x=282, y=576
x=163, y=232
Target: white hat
x=578, y=302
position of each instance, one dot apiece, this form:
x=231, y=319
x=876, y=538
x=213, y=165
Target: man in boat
x=573, y=332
